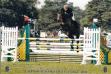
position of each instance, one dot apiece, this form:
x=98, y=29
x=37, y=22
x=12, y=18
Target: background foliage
x=100, y=9
x=12, y=11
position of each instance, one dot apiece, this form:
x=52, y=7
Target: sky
x=81, y=3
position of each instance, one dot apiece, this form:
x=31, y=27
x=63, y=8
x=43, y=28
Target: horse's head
x=66, y=7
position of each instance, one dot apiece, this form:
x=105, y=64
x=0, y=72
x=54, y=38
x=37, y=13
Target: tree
x=78, y=13
x=12, y=11
x=100, y=9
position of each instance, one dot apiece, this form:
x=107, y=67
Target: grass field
x=53, y=68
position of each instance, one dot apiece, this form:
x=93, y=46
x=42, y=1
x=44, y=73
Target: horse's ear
x=59, y=17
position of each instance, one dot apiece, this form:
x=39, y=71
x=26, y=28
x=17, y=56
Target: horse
x=71, y=29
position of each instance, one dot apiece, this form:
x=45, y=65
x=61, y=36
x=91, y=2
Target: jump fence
x=88, y=46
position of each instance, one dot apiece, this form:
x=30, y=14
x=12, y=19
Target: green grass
x=53, y=68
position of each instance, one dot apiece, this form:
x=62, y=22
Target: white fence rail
x=9, y=43
x=56, y=46
x=91, y=50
